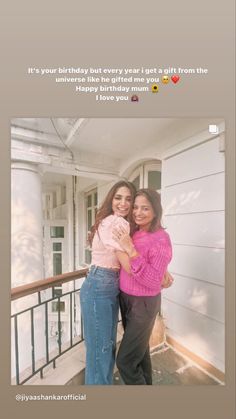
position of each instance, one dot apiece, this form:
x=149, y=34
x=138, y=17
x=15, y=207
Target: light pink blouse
x=104, y=246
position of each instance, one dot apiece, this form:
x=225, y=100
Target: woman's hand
x=167, y=280
x=125, y=241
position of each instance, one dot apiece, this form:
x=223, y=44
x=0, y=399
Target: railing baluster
x=38, y=365
x=32, y=339
x=59, y=324
x=46, y=331
x=16, y=350
x=81, y=325
x=74, y=310
x=71, y=336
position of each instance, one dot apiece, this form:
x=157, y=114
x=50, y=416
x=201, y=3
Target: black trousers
x=138, y=318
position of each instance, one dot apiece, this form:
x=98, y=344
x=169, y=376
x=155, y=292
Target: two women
x=144, y=260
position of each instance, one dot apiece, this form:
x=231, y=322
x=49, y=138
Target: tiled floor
x=171, y=368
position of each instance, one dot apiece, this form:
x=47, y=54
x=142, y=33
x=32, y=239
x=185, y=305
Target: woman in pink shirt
x=144, y=264
x=100, y=290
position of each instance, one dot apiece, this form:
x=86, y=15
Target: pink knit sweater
x=147, y=270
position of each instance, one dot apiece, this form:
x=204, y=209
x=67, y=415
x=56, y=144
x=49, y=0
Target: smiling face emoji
x=165, y=79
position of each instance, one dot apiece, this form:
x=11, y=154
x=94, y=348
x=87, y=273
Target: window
x=154, y=180
x=57, y=270
x=57, y=232
x=57, y=247
x=57, y=264
x=57, y=291
x=136, y=182
x=152, y=175
x=137, y=177
x=147, y=175
x=58, y=306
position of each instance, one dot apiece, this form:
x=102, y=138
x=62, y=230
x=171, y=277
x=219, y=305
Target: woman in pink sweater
x=144, y=264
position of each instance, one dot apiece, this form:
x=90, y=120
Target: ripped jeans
x=100, y=305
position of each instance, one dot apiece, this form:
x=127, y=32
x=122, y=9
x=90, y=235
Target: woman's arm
x=124, y=260
x=149, y=271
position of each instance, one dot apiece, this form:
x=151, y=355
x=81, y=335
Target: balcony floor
x=171, y=368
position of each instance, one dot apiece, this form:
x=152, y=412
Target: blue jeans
x=100, y=305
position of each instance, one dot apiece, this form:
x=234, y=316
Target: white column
x=27, y=258
x=27, y=224
x=70, y=219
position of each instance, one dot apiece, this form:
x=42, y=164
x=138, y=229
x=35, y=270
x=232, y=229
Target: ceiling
x=119, y=139
x=115, y=137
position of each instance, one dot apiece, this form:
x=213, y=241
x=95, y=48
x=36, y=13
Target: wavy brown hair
x=154, y=198
x=106, y=208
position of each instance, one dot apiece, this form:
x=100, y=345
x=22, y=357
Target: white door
x=147, y=175
x=56, y=263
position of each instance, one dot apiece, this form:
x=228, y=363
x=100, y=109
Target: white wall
x=103, y=189
x=193, y=197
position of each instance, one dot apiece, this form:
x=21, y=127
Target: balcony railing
x=38, y=337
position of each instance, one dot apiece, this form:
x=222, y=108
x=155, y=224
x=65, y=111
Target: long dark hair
x=106, y=207
x=155, y=200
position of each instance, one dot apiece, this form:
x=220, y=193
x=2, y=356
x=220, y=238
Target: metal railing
x=38, y=317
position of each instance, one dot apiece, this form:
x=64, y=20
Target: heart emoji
x=175, y=79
